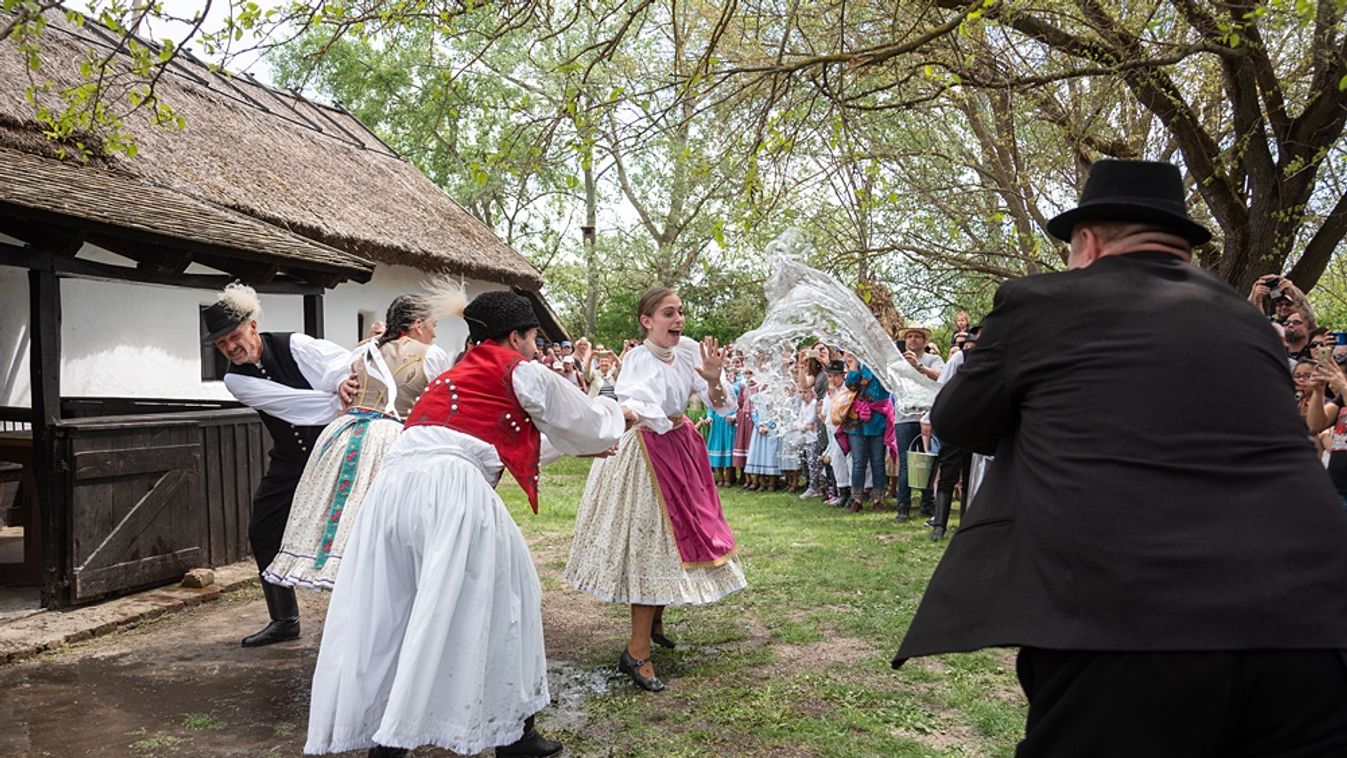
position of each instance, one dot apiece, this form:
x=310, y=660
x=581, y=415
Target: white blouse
x=571, y=422
x=324, y=364
x=656, y=390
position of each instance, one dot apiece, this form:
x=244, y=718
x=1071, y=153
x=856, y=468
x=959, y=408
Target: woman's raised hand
x=713, y=360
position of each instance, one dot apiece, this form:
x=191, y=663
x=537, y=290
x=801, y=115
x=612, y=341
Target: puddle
x=572, y=688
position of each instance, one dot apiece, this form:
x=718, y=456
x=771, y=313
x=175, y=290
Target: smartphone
x=1324, y=357
x=1339, y=338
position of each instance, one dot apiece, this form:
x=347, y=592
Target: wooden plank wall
x=235, y=446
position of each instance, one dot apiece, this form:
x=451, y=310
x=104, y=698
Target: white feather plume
x=445, y=297
x=242, y=301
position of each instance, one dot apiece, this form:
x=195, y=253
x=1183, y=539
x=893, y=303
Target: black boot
x=942, y=503
x=927, y=503
x=283, y=607
x=904, y=511
x=532, y=744
x=379, y=751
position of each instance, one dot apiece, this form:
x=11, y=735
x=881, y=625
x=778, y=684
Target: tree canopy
x=922, y=144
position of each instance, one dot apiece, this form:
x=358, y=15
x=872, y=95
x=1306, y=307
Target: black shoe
x=632, y=667
x=283, y=607
x=532, y=744
x=937, y=533
x=657, y=637
x=379, y=751
x=904, y=512
x=930, y=521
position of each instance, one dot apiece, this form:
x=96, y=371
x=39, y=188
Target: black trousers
x=953, y=463
x=1266, y=703
x=271, y=508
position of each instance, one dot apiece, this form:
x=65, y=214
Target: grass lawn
x=796, y=664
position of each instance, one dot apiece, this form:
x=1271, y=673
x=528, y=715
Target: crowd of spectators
x=839, y=438
x=1318, y=361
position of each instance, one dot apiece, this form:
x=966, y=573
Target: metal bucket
x=919, y=468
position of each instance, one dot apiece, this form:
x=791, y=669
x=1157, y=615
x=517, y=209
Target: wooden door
x=134, y=489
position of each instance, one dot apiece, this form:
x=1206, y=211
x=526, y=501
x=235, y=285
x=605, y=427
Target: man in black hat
x=297, y=384
x=1169, y=559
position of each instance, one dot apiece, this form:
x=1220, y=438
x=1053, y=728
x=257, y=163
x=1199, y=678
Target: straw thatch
x=101, y=199
x=308, y=168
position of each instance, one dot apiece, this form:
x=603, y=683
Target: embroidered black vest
x=278, y=365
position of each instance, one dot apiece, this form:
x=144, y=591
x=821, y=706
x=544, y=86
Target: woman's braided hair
x=402, y=313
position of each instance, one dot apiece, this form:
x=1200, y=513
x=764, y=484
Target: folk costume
x=434, y=633
x=392, y=377
x=743, y=422
x=293, y=387
x=1161, y=606
x=650, y=530
x=720, y=439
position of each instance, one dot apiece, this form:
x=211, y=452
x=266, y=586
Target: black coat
x=1153, y=487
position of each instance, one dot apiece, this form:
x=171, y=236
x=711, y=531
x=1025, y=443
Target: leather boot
x=379, y=751
x=532, y=744
x=904, y=511
x=283, y=607
x=942, y=503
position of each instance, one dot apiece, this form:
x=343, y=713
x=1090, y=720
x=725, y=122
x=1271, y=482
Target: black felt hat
x=492, y=315
x=221, y=319
x=1149, y=192
x=836, y=367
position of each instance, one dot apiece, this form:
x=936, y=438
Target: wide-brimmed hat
x=235, y=305
x=835, y=367
x=902, y=333
x=1149, y=192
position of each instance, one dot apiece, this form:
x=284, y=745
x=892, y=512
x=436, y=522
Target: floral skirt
x=624, y=550
x=346, y=458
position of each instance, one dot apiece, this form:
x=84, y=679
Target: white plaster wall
x=342, y=304
x=136, y=340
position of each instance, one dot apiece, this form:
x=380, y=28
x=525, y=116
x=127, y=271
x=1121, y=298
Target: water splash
x=805, y=302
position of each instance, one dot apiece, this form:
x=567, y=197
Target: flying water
x=804, y=302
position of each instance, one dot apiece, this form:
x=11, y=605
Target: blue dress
x=720, y=441
x=764, y=452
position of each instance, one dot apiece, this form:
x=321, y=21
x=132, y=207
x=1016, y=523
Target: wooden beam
x=148, y=256
x=313, y=316
x=76, y=268
x=44, y=301
x=324, y=279
x=253, y=273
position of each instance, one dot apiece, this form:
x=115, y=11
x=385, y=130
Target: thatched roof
x=309, y=168
x=114, y=204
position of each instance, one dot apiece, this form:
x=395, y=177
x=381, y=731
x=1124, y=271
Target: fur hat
x=492, y=315
x=236, y=304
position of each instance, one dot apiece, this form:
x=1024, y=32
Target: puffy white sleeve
x=640, y=387
x=291, y=405
x=324, y=364
x=573, y=423
x=699, y=384
x=436, y=362
x=948, y=371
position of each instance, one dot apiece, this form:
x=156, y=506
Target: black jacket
x=1153, y=487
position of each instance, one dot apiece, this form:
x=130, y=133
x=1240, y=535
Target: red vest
x=477, y=397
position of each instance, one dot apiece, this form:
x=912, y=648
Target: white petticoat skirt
x=624, y=549
x=434, y=634
x=322, y=514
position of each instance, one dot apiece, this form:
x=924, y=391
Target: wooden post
x=44, y=299
x=313, y=316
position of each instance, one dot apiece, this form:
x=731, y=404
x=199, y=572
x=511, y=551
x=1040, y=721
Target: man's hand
x=911, y=358
x=630, y=416
x=348, y=390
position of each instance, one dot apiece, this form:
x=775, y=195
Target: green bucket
x=919, y=468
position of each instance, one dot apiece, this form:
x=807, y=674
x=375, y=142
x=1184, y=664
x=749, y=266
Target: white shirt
x=951, y=368
x=571, y=422
x=325, y=365
x=929, y=361
x=656, y=390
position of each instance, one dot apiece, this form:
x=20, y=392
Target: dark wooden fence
x=146, y=496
